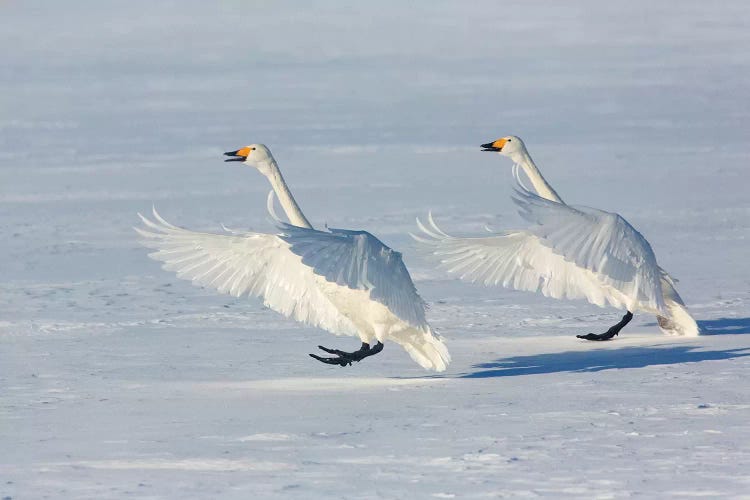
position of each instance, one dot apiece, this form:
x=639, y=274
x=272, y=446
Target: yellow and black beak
x=494, y=146
x=239, y=155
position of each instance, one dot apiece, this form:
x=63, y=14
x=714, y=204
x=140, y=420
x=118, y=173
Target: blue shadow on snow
x=724, y=326
x=599, y=359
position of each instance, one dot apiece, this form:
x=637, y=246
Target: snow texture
x=119, y=380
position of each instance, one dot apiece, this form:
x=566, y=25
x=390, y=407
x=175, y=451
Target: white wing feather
x=358, y=260
x=543, y=259
x=601, y=242
x=243, y=263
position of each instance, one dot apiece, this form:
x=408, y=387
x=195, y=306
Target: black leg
x=346, y=358
x=611, y=332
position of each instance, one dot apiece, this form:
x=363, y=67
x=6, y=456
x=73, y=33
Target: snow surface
x=119, y=380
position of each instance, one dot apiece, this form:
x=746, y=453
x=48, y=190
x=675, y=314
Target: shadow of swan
x=724, y=326
x=598, y=360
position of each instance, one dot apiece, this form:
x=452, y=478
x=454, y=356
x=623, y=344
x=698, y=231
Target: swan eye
x=510, y=140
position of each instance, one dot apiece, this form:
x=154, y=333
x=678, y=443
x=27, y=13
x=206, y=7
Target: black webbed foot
x=608, y=335
x=335, y=351
x=611, y=333
x=333, y=361
x=344, y=358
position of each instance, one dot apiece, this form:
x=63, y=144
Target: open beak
x=496, y=146
x=239, y=155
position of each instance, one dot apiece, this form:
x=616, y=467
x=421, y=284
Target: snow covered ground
x=118, y=380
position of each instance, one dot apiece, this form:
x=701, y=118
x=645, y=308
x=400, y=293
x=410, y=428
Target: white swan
x=346, y=282
x=567, y=253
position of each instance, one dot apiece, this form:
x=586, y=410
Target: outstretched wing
x=525, y=260
x=240, y=263
x=598, y=241
x=358, y=260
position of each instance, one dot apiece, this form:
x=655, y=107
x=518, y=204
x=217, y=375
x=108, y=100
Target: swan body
x=566, y=253
x=345, y=282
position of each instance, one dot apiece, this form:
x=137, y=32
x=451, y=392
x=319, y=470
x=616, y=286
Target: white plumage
x=345, y=282
x=237, y=264
x=567, y=253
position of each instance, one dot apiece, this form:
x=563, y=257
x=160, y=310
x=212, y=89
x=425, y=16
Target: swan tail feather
x=678, y=320
x=425, y=347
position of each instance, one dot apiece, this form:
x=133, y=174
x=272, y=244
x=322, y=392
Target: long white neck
x=540, y=184
x=271, y=170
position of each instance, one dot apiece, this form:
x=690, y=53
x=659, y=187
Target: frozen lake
x=117, y=379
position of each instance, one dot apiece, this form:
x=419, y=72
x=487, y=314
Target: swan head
x=255, y=155
x=511, y=146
